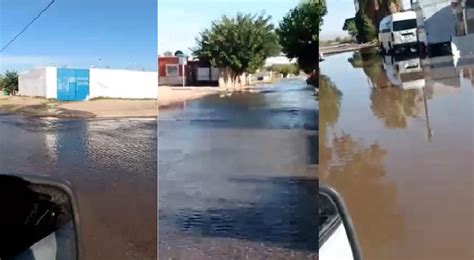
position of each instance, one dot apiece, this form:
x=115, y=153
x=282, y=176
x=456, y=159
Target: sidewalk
x=169, y=95
x=109, y=108
x=340, y=48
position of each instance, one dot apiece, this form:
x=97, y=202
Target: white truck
x=406, y=73
x=436, y=25
x=397, y=32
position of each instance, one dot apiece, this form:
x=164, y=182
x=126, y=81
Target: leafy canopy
x=350, y=27
x=285, y=69
x=299, y=33
x=366, y=30
x=9, y=81
x=240, y=43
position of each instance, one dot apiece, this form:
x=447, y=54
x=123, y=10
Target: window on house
x=172, y=70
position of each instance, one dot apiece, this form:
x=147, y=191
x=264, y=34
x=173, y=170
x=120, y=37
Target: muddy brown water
x=112, y=166
x=237, y=177
x=396, y=140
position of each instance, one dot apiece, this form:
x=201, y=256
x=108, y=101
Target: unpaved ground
x=168, y=95
x=115, y=107
x=6, y=101
x=110, y=108
x=101, y=108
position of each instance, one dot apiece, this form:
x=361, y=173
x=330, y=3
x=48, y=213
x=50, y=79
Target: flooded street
x=397, y=140
x=237, y=176
x=112, y=167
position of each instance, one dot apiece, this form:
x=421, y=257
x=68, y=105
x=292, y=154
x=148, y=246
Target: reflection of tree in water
x=329, y=103
x=357, y=172
x=372, y=65
x=395, y=105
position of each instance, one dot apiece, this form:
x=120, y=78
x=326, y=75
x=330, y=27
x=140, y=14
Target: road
x=397, y=140
x=112, y=165
x=237, y=176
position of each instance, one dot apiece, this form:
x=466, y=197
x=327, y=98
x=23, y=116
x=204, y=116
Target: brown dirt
x=113, y=108
x=168, y=96
x=102, y=108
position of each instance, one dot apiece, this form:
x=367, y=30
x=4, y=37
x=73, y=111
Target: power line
x=28, y=25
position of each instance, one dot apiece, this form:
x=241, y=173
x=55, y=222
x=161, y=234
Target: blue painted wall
x=73, y=84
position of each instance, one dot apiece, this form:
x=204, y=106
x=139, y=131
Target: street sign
x=183, y=60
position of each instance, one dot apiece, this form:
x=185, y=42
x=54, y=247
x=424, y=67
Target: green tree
x=178, y=53
x=365, y=28
x=299, y=33
x=238, y=45
x=9, y=82
x=350, y=27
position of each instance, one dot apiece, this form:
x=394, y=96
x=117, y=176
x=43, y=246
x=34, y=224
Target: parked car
x=397, y=32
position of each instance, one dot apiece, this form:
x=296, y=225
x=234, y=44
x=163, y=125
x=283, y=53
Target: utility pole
x=428, y=127
x=183, y=62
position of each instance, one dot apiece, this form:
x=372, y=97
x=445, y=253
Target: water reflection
x=105, y=161
x=393, y=105
x=373, y=207
x=372, y=150
x=401, y=86
x=329, y=102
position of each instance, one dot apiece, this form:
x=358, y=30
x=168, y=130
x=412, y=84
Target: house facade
x=170, y=71
x=199, y=72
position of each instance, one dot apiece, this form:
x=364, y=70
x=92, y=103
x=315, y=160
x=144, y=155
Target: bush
x=9, y=82
x=286, y=69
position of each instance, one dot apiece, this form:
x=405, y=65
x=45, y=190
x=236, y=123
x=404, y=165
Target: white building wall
x=122, y=84
x=51, y=82
x=32, y=83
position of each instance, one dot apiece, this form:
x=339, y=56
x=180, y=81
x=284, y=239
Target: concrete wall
x=123, y=84
x=171, y=81
x=51, y=82
x=38, y=83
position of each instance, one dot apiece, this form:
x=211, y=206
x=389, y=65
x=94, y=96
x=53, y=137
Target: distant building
x=170, y=71
x=202, y=73
x=197, y=72
x=66, y=84
x=278, y=60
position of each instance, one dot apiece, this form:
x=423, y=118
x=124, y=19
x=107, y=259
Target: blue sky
x=180, y=21
x=80, y=33
x=338, y=12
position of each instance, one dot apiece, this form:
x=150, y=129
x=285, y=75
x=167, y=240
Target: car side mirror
x=39, y=219
x=337, y=239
